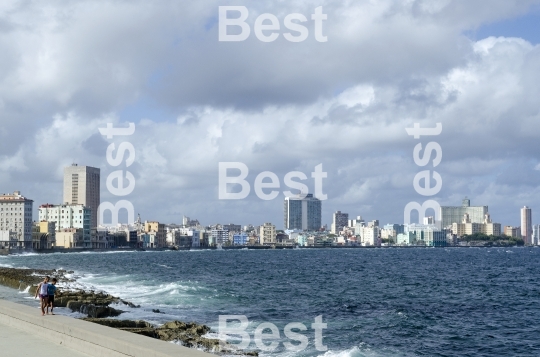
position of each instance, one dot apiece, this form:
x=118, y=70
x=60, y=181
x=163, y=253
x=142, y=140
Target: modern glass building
x=454, y=214
x=302, y=213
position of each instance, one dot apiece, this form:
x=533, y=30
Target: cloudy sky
x=69, y=67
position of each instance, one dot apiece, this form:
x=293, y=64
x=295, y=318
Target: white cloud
x=68, y=69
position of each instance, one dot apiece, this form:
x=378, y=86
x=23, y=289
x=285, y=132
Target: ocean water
x=376, y=302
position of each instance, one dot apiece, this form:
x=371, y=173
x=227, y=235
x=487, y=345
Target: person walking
x=43, y=292
x=51, y=290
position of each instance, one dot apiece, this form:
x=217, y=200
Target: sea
x=374, y=302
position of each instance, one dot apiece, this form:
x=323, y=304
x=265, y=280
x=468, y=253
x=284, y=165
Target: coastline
x=129, y=250
x=102, y=308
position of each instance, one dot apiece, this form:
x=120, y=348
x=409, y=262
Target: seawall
x=90, y=338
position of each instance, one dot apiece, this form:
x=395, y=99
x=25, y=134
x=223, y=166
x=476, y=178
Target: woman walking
x=43, y=292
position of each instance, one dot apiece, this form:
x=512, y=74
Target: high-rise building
x=454, y=214
x=339, y=221
x=526, y=225
x=81, y=187
x=303, y=213
x=16, y=220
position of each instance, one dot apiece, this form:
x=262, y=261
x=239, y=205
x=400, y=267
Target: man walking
x=51, y=290
x=42, y=290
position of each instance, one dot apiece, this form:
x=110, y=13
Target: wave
x=365, y=350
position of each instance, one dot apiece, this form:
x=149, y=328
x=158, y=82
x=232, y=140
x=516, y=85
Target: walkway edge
x=87, y=337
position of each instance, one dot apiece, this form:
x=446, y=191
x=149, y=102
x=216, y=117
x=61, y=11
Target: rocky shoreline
x=97, y=308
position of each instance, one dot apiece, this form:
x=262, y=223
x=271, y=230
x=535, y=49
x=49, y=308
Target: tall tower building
x=302, y=213
x=339, y=221
x=81, y=186
x=526, y=225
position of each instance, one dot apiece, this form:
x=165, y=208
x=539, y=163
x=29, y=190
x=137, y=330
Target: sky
x=67, y=68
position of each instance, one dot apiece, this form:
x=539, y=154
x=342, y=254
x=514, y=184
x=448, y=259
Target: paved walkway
x=16, y=343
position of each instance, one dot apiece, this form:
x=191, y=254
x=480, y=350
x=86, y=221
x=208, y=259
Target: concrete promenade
x=24, y=332
x=15, y=343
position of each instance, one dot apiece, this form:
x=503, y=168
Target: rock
x=157, y=311
x=188, y=334
x=124, y=324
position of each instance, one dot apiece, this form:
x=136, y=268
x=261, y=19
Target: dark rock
x=124, y=324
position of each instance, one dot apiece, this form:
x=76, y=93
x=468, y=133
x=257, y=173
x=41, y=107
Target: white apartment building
x=16, y=219
x=82, y=187
x=219, y=236
x=69, y=216
x=267, y=234
x=369, y=236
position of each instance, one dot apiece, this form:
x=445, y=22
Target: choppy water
x=376, y=302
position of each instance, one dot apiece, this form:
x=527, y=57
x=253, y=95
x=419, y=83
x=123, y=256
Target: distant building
x=428, y=235
x=369, y=236
x=267, y=234
x=353, y=222
x=16, y=219
x=512, y=231
x=232, y=227
x=70, y=238
x=68, y=216
x=406, y=238
x=159, y=239
x=44, y=235
x=188, y=222
x=454, y=214
x=282, y=238
x=240, y=238
x=339, y=221
x=303, y=213
x=526, y=225
x=82, y=187
x=219, y=236
x=536, y=234
x=396, y=228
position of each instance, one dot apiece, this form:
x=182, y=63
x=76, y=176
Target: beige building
x=82, y=186
x=69, y=237
x=267, y=234
x=467, y=227
x=16, y=218
x=512, y=231
x=158, y=233
x=44, y=235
